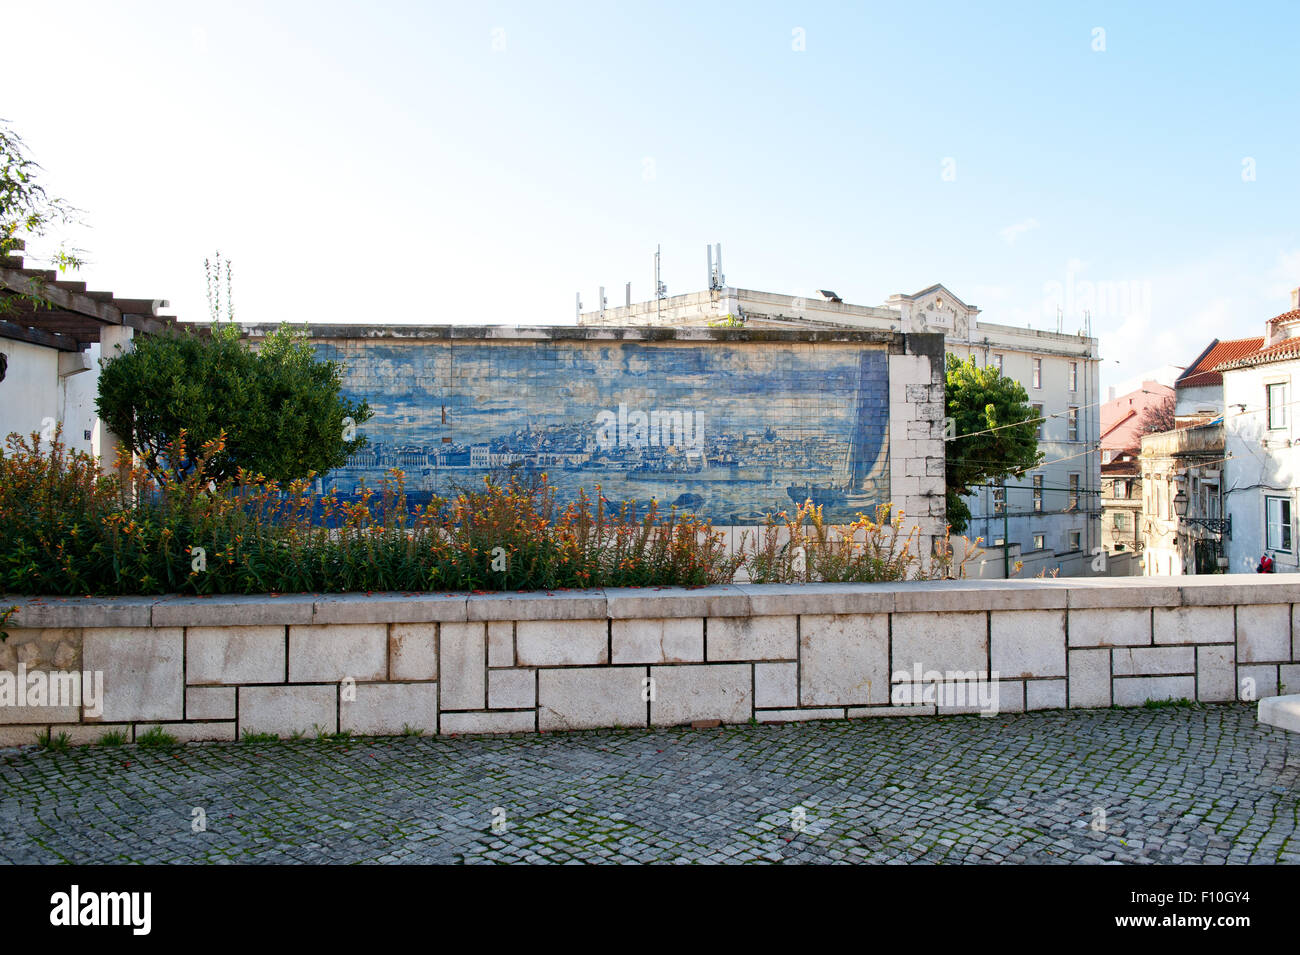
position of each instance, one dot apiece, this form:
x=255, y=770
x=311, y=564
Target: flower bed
x=67, y=529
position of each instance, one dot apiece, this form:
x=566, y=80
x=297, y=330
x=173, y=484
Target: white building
x=1262, y=445
x=1052, y=512
x=49, y=355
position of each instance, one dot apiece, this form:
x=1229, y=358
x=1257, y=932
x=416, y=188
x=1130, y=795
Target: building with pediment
x=1051, y=514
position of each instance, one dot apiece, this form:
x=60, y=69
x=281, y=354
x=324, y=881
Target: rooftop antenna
x=716, y=280
x=578, y=311
x=661, y=290
x=603, y=302
x=1060, y=317
x=627, y=295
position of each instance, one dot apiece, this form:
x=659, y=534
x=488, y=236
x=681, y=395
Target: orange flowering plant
x=67, y=528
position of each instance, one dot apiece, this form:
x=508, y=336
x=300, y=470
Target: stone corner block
x=540, y=643
x=571, y=698
x=389, y=709
x=658, y=640
x=751, y=638
x=413, y=651
x=232, y=655
x=707, y=691
x=844, y=659
x=144, y=672
x=326, y=653
x=285, y=710
x=1027, y=643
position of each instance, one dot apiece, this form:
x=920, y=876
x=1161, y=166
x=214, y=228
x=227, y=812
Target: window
x=997, y=363
x=1075, y=539
x=1277, y=516
x=1038, y=492
x=1074, y=491
x=1038, y=542
x=1038, y=413
x=1074, y=376
x=1072, y=425
x=1038, y=373
x=1121, y=521
x=999, y=500
x=1276, y=406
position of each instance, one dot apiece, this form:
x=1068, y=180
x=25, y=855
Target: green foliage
x=1170, y=702
x=251, y=737
x=221, y=306
x=113, y=738
x=67, y=529
x=727, y=321
x=55, y=744
x=279, y=408
x=156, y=737
x=27, y=210
x=995, y=432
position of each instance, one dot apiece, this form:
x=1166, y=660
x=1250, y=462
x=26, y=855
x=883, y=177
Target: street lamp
x=1216, y=525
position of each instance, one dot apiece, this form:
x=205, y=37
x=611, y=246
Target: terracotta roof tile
x=1205, y=370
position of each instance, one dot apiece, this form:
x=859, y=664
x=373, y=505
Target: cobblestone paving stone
x=1175, y=785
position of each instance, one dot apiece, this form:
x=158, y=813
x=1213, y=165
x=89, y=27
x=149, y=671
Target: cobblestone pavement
x=1169, y=785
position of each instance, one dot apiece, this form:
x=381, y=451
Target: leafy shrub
x=277, y=410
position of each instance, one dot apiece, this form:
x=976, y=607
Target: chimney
x=1110, y=393
x=1295, y=298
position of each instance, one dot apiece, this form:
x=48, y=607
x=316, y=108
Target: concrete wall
x=215, y=668
x=47, y=385
x=30, y=392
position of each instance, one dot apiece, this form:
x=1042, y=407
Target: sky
x=481, y=163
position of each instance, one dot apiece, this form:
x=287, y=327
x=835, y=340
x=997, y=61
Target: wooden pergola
x=43, y=309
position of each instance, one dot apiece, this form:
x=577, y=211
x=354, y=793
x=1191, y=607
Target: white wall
x=30, y=392
x=1198, y=400
x=1262, y=462
x=33, y=393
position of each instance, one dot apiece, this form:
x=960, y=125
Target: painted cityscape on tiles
x=729, y=432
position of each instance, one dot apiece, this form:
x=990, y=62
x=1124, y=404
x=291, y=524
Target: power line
x=1047, y=417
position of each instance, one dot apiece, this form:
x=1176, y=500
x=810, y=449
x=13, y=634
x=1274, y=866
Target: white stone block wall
x=916, y=437
x=386, y=664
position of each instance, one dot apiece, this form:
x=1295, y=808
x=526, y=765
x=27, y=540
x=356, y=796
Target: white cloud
x=1016, y=230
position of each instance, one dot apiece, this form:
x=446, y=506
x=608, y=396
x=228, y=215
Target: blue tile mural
x=729, y=431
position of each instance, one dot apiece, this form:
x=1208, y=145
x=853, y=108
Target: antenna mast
x=661, y=290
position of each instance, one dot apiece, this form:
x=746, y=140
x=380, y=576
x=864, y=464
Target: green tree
x=280, y=408
x=991, y=431
x=28, y=211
